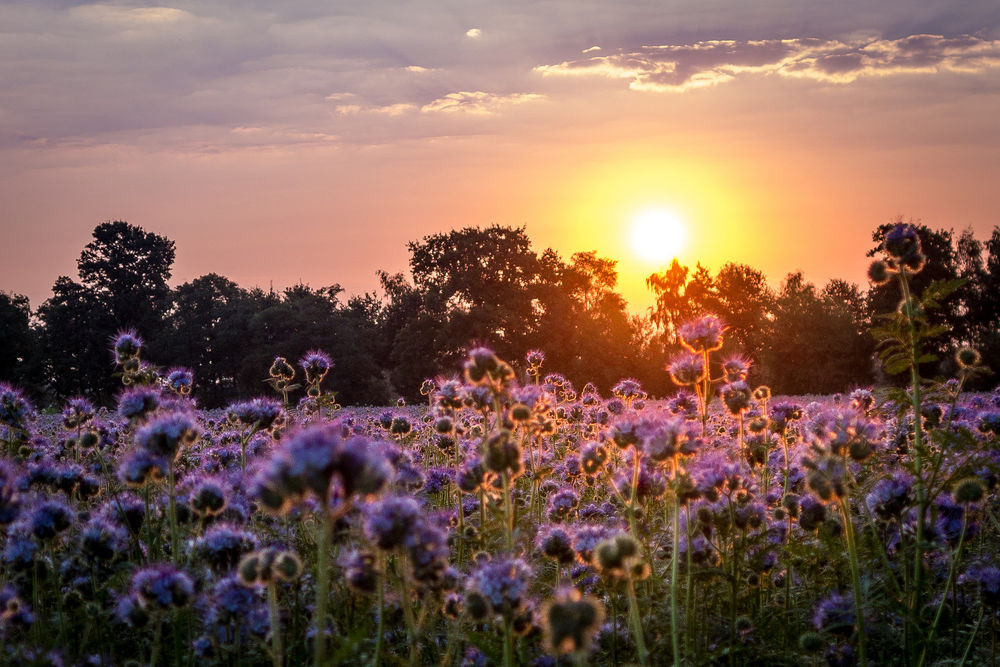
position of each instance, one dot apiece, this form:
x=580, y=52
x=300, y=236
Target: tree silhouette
x=17, y=342
x=123, y=284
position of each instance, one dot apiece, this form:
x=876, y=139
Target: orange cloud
x=708, y=63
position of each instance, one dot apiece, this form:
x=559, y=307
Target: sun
x=657, y=234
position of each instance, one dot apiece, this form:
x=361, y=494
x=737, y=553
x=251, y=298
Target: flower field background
x=511, y=517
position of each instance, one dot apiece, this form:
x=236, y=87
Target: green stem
x=277, y=653
x=852, y=549
x=381, y=608
x=674, y=615
x=636, y=622
x=944, y=597
x=175, y=551
x=508, y=643
x=322, y=581
x=508, y=514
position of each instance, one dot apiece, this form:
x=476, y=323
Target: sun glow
x=657, y=234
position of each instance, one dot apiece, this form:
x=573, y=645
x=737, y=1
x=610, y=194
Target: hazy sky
x=287, y=141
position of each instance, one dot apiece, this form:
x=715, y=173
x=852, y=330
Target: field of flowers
x=513, y=519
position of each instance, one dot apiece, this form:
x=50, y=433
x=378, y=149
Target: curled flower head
x=570, y=620
x=136, y=403
x=556, y=542
x=126, y=345
x=987, y=578
x=535, y=359
x=450, y=395
x=902, y=241
x=165, y=436
x=50, y=518
x=702, y=335
x=683, y=404
x=835, y=614
x=427, y=387
x=483, y=366
x=880, y=273
x=310, y=460
x=686, y=370
x=501, y=454
x=15, y=409
x=258, y=414
x=103, y=540
x=272, y=564
x=142, y=467
x=736, y=368
x=628, y=389
x=222, y=546
x=619, y=557
x=78, y=413
x=162, y=587
x=315, y=364
x=736, y=396
x=180, y=380
x=890, y=497
x=281, y=370
x=967, y=357
x=501, y=583
x=360, y=571
x=388, y=522
x=666, y=437
x=207, y=498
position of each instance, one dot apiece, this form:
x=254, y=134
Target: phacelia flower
x=161, y=587
x=570, y=620
x=167, y=435
x=702, y=335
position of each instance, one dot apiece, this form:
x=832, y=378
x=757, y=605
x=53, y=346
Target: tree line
x=473, y=286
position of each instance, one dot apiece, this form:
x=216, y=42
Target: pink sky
x=278, y=144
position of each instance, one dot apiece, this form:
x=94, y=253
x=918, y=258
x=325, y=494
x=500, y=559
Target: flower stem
x=322, y=581
x=636, y=622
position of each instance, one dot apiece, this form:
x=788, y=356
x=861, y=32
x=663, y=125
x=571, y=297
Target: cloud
x=473, y=33
x=591, y=49
x=708, y=63
x=477, y=102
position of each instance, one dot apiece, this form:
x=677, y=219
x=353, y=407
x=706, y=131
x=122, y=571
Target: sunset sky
x=279, y=142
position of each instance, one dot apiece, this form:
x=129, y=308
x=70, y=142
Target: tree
x=123, y=284
x=817, y=344
x=745, y=302
x=206, y=331
x=17, y=342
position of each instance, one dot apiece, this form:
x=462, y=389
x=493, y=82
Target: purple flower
x=180, y=380
x=15, y=409
x=835, y=614
x=562, y=504
x=223, y=544
x=77, y=413
x=988, y=579
x=126, y=345
x=686, y=369
x=160, y=587
x=890, y=497
x=702, y=335
x=49, y=519
x=258, y=414
x=142, y=467
x=165, y=436
x=103, y=540
x=388, y=522
x=316, y=364
x=503, y=583
x=136, y=403
x=556, y=542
